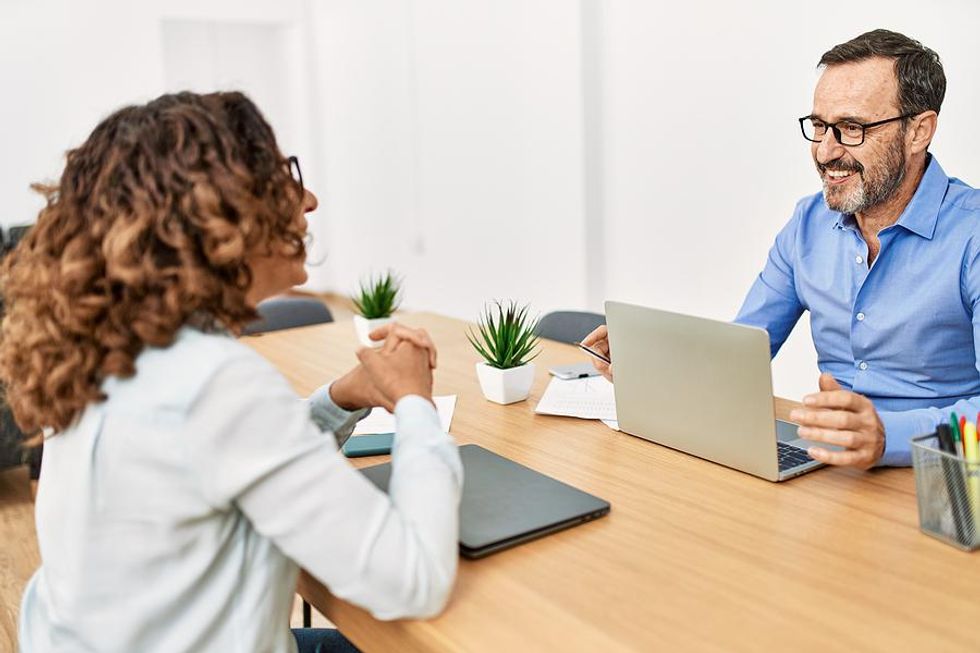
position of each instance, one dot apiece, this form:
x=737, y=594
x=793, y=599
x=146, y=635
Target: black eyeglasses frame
x=298, y=176
x=864, y=128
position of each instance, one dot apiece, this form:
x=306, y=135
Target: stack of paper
x=589, y=398
x=381, y=421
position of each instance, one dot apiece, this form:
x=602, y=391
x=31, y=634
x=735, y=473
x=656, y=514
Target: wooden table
x=19, y=557
x=693, y=556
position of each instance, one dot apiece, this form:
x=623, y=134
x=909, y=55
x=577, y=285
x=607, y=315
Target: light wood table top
x=692, y=557
x=19, y=556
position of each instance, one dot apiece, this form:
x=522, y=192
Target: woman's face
x=275, y=274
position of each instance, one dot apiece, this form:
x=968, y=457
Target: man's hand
x=599, y=340
x=837, y=416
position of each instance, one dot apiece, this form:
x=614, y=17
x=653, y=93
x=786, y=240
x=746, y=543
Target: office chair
x=14, y=234
x=568, y=326
x=12, y=452
x=288, y=312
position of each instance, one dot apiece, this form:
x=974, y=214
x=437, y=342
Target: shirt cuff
x=418, y=428
x=900, y=428
x=328, y=416
x=416, y=418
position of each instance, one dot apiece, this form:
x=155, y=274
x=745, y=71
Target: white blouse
x=173, y=516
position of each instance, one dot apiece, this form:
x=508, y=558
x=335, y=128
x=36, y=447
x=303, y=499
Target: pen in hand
x=594, y=353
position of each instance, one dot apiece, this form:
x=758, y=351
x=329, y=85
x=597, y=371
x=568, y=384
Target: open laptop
x=703, y=387
x=505, y=504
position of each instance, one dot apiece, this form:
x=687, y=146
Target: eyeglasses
x=296, y=172
x=847, y=132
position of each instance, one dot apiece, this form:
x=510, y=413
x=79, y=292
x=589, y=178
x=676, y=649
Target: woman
x=183, y=483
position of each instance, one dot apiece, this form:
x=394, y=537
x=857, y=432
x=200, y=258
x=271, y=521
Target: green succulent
x=505, y=335
x=378, y=296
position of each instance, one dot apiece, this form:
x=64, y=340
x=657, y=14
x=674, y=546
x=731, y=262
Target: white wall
x=65, y=65
x=552, y=151
x=60, y=76
x=453, y=136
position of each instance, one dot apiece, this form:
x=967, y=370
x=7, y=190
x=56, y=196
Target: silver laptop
x=703, y=387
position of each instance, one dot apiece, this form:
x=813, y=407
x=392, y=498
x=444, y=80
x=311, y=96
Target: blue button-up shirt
x=904, y=333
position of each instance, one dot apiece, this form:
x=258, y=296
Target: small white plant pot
x=364, y=326
x=505, y=386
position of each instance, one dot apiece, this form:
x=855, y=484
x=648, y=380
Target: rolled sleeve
x=418, y=424
x=328, y=416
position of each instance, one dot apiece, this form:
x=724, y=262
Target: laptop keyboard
x=790, y=456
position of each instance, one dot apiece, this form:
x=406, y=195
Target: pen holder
x=947, y=488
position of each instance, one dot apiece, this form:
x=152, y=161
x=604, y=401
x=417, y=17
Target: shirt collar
x=922, y=212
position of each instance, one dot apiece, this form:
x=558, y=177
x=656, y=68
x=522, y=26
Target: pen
x=944, y=435
x=954, y=484
x=594, y=353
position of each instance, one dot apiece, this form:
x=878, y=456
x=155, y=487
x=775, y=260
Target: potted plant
x=377, y=299
x=505, y=339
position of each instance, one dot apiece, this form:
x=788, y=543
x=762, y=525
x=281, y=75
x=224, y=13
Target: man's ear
x=922, y=130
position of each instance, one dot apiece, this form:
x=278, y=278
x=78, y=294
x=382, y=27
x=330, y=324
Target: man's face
x=857, y=178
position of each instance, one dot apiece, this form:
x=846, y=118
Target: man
x=886, y=259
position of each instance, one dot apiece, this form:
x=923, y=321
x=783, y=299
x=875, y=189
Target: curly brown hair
x=148, y=229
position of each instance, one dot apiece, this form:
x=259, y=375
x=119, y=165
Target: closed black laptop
x=505, y=504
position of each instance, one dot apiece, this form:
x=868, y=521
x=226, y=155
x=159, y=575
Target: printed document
x=589, y=398
x=381, y=421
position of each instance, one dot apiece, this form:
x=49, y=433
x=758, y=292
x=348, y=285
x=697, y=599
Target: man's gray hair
x=921, y=80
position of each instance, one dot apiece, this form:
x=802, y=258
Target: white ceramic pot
x=505, y=386
x=364, y=326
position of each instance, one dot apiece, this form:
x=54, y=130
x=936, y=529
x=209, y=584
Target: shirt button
x=859, y=260
x=863, y=366
x=860, y=317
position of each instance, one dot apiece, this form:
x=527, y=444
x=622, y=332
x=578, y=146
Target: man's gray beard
x=875, y=189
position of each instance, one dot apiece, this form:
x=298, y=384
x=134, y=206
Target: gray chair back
x=288, y=312
x=12, y=451
x=568, y=326
x=10, y=239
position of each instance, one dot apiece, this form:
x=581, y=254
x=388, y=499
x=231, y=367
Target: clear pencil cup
x=947, y=488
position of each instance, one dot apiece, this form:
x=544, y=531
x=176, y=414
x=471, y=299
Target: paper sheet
x=589, y=398
x=381, y=421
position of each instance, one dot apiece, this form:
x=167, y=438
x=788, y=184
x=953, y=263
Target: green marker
x=954, y=425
